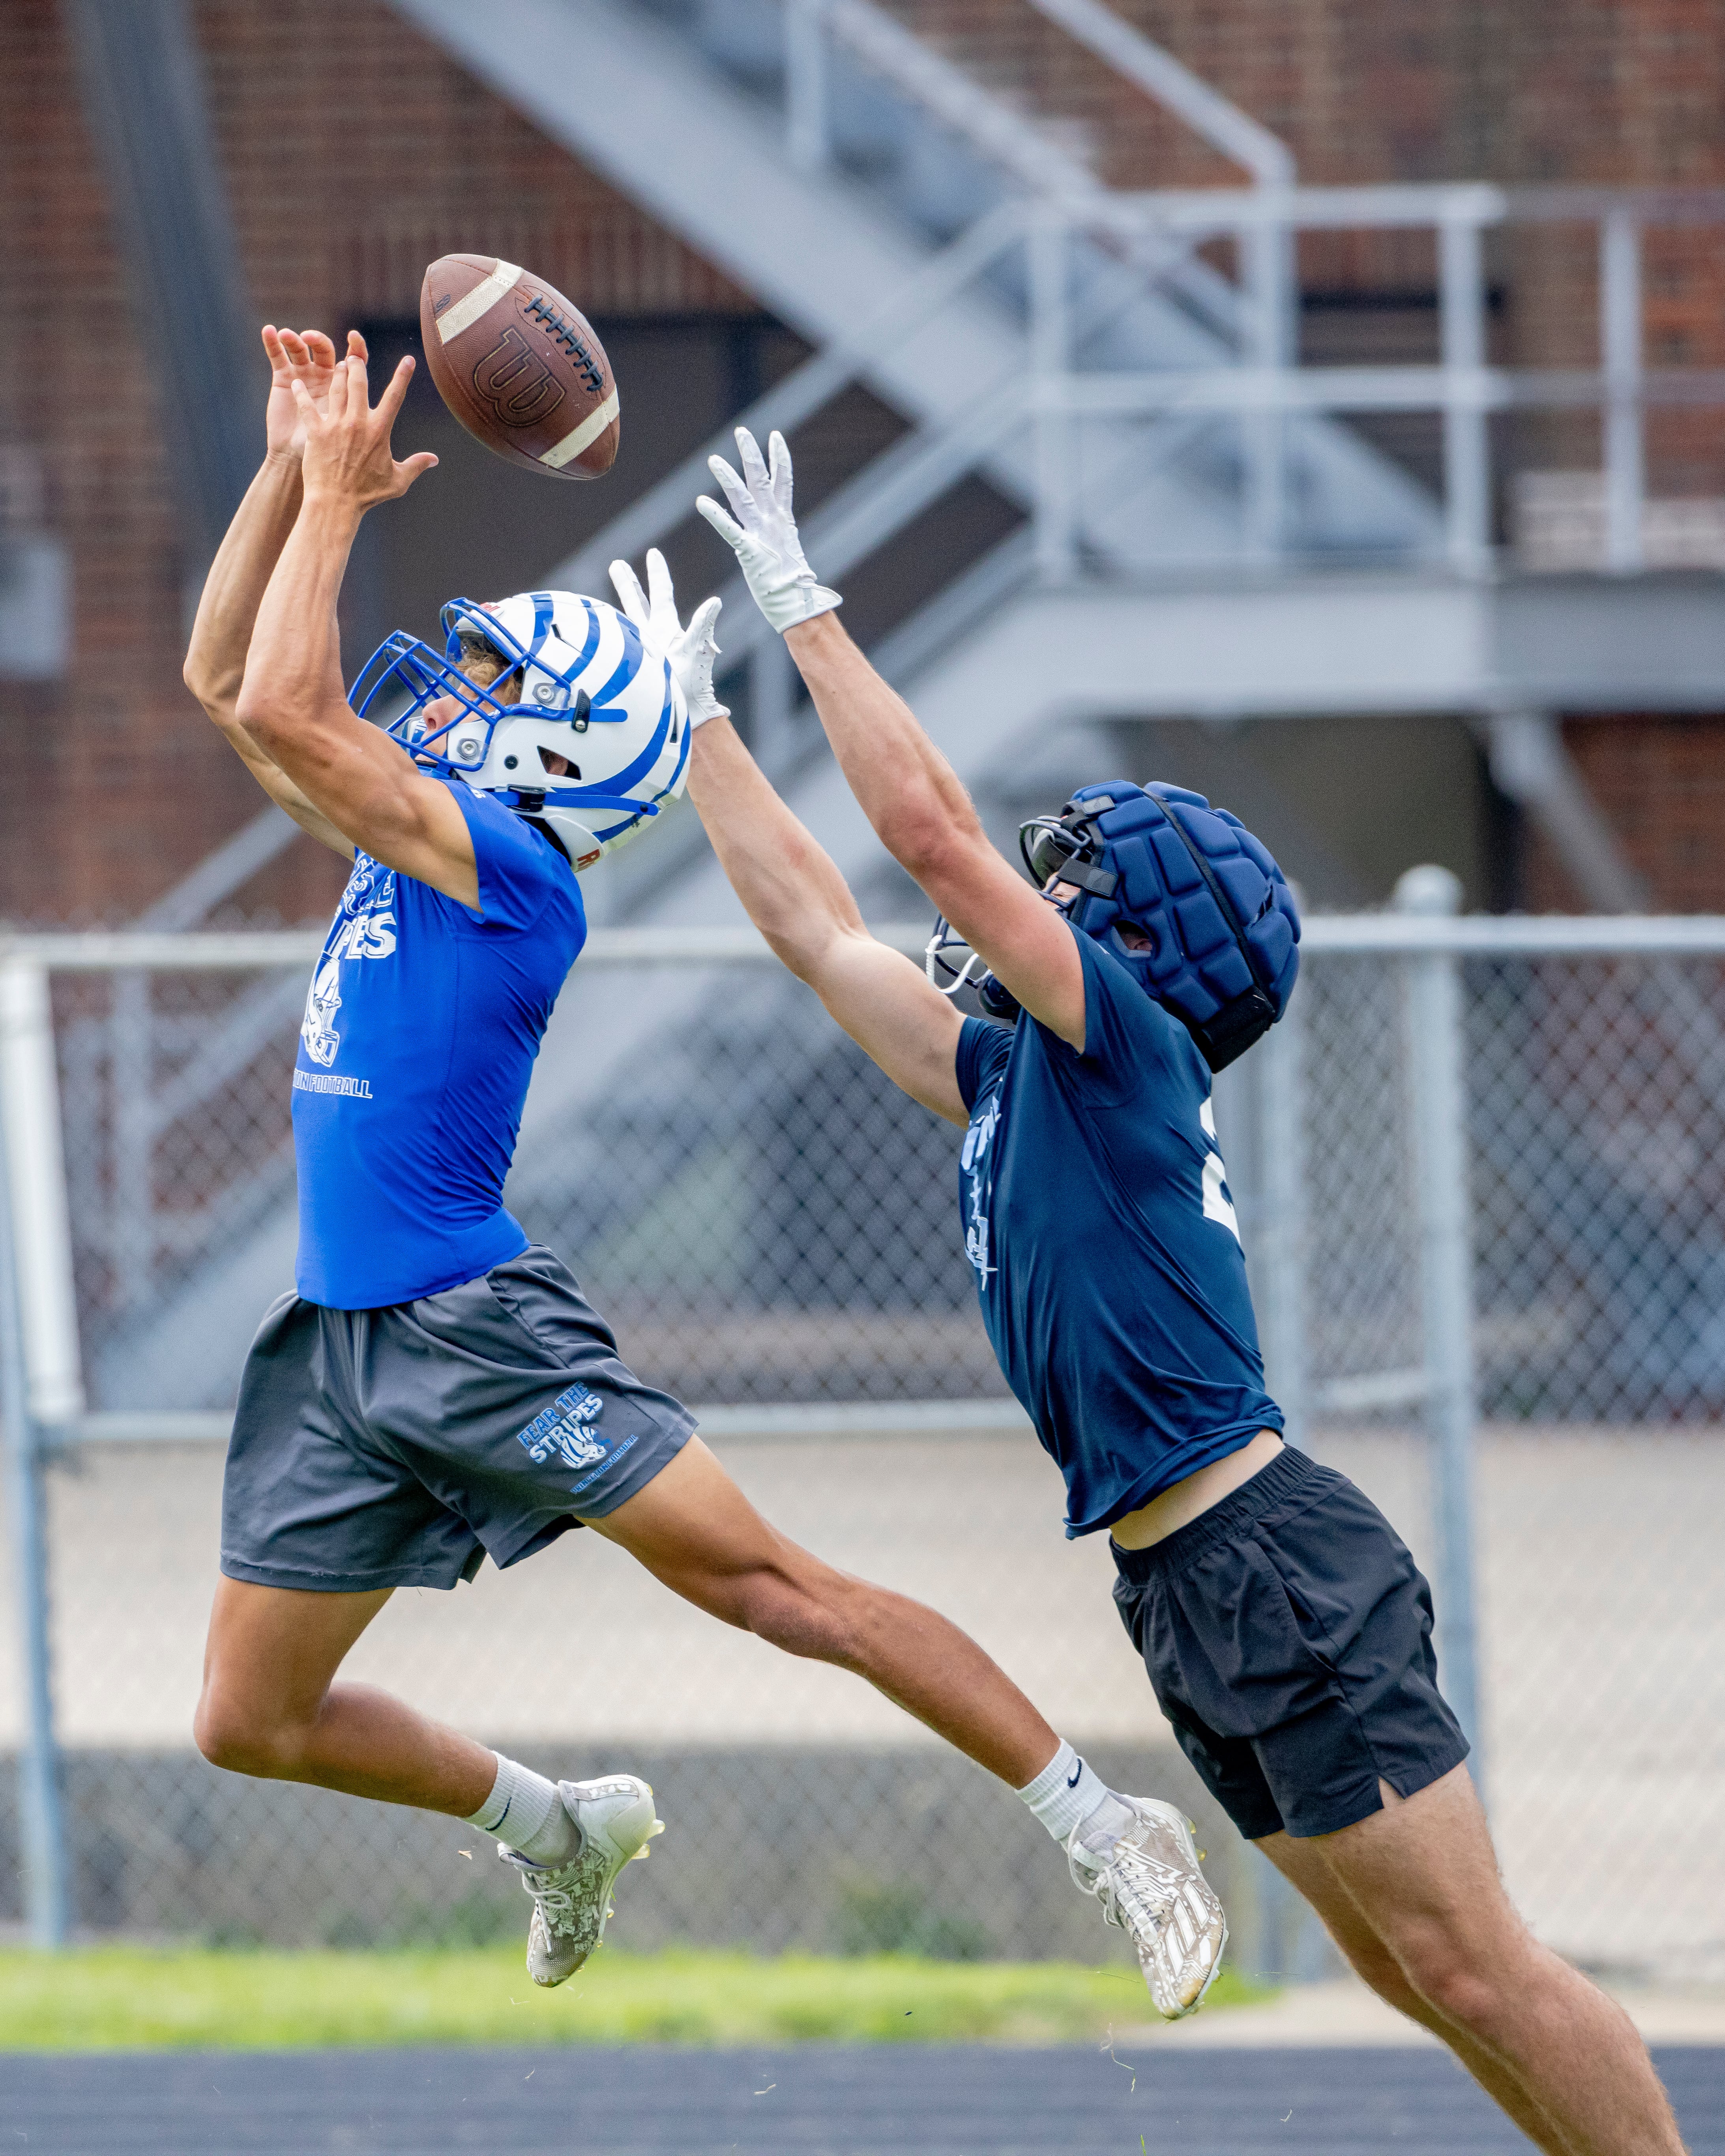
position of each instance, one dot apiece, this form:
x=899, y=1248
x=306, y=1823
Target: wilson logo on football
x=515, y=384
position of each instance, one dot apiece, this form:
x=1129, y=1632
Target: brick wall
x=1662, y=782
x=1373, y=90
x=355, y=153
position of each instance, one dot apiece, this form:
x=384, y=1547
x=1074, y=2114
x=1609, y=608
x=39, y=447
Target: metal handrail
x=1254, y=388
x=1468, y=935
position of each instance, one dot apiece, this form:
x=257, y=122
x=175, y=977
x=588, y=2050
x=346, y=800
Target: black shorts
x=1287, y=1633
x=398, y=1447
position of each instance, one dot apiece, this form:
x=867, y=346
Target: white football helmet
x=580, y=683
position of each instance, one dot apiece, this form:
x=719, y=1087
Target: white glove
x=688, y=652
x=764, y=534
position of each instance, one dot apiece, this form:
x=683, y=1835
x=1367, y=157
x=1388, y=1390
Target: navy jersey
x=1106, y=1253
x=421, y=1027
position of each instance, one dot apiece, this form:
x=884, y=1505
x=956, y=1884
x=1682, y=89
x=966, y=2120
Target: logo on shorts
x=567, y=1427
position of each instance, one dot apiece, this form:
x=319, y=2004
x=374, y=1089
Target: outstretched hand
x=762, y=534
x=304, y=356
x=347, y=457
x=688, y=652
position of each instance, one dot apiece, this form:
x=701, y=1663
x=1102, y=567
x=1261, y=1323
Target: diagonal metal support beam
x=144, y=101
x=1530, y=764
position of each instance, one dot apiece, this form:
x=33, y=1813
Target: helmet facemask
x=543, y=671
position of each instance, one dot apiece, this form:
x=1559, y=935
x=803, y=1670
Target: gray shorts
x=399, y=1447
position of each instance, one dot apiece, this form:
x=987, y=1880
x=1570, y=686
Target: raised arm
x=789, y=885
x=291, y=702
x=905, y=788
x=227, y=610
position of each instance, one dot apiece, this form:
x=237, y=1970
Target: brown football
x=519, y=367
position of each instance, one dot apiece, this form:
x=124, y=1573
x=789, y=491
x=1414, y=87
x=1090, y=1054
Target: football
x=519, y=367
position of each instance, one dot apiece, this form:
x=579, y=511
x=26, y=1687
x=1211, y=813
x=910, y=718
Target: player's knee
x=231, y=1734
x=1464, y=1983
x=1377, y=1967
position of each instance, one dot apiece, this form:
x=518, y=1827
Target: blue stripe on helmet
x=633, y=655
x=590, y=642
x=620, y=781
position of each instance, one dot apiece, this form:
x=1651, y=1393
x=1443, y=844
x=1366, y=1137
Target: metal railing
x=1052, y=389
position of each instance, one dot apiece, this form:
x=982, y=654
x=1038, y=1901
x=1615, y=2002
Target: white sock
x=1068, y=1793
x=526, y=1814
x=1103, y=1827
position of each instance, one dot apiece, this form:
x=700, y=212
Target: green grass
x=134, y=1998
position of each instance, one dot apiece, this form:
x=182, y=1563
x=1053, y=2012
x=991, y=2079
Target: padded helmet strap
x=1099, y=881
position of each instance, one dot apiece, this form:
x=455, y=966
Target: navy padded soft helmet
x=1223, y=928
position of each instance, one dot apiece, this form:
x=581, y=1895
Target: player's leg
x=505, y=1402
x=694, y=1530
x=324, y=1514
x=271, y=1707
x=1423, y=1874
x=1303, y=1865
x=1288, y=1634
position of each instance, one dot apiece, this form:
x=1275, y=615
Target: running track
x=815, y=2101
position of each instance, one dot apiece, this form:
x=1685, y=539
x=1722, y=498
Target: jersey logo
x=366, y=936
x=1218, y=1203
x=978, y=1140
x=566, y=1427
x=370, y=885
x=317, y=1028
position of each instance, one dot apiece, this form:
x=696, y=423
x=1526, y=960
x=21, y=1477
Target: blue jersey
x=1106, y=1253
x=419, y=1035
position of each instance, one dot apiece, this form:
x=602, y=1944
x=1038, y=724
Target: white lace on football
x=1150, y=1885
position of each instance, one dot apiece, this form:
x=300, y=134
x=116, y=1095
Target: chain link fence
x=773, y=1231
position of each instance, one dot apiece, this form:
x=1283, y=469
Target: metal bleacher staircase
x=1201, y=529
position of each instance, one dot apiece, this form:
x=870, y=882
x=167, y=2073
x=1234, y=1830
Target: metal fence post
x=1467, y=471
x=1266, y=247
x=23, y=991
x=1437, y=1100
x=1620, y=357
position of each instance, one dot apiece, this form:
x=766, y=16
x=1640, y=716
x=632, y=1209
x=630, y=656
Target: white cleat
x=573, y=1901
x=1150, y=1884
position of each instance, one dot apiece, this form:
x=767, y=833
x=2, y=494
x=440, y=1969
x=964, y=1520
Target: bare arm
x=292, y=704
x=227, y=610
x=903, y=784
x=797, y=898
x=924, y=818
